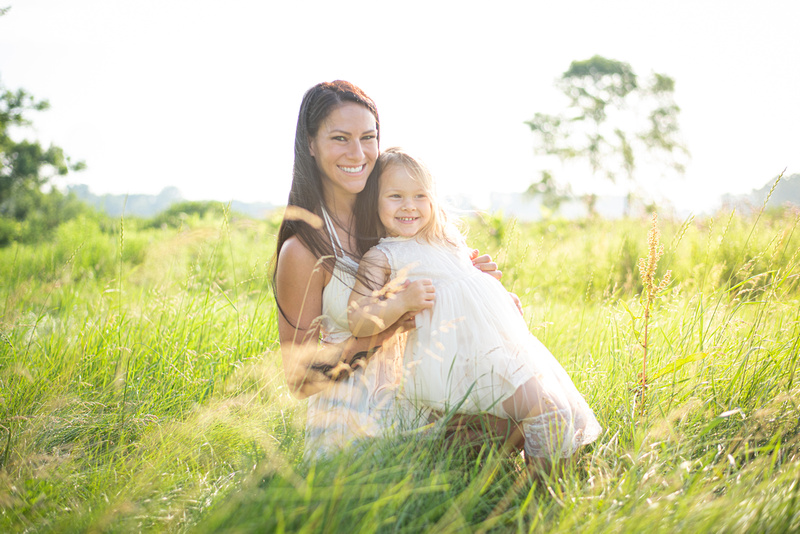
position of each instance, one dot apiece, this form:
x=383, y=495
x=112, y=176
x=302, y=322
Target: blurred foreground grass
x=141, y=387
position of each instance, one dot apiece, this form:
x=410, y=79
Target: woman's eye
x=368, y=137
x=339, y=138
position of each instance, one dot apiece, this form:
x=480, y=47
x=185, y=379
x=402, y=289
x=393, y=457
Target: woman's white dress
x=363, y=405
x=472, y=350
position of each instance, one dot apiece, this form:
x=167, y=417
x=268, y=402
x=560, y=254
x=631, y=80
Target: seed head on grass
x=648, y=266
x=647, y=272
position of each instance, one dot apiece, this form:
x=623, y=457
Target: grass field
x=141, y=387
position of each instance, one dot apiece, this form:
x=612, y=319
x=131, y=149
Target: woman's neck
x=340, y=208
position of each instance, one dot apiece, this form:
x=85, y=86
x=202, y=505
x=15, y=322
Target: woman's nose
x=356, y=151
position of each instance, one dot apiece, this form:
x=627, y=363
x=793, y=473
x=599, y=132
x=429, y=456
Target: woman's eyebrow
x=337, y=130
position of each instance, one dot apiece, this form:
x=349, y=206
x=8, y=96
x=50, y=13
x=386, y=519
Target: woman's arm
x=308, y=365
x=372, y=311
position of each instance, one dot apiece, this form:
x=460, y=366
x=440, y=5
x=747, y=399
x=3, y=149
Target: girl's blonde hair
x=439, y=230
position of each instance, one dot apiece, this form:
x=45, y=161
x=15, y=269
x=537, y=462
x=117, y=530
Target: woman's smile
x=353, y=170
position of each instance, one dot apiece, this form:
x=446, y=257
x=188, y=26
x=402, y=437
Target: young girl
x=471, y=351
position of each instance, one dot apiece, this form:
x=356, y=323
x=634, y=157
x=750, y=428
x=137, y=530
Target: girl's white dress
x=473, y=349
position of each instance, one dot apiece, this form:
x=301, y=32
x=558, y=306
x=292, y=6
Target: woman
x=349, y=382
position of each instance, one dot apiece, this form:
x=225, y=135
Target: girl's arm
x=308, y=365
x=372, y=311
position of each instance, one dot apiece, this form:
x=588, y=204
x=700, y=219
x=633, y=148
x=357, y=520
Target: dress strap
x=333, y=235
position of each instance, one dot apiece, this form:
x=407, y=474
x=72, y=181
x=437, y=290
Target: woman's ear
x=311, y=147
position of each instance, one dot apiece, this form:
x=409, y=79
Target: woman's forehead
x=349, y=116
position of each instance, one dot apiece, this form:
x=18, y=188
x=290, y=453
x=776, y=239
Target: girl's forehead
x=396, y=175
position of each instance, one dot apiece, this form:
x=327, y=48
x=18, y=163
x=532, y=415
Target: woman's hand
x=485, y=264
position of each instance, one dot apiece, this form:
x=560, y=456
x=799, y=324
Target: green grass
x=141, y=387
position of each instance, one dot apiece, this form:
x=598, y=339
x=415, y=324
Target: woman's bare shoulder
x=296, y=261
x=294, y=251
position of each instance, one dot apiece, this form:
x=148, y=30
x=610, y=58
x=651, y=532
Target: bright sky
x=204, y=95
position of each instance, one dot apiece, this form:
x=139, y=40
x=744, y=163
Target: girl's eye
x=422, y=195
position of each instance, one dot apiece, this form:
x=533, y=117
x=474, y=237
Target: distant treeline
x=150, y=205
x=139, y=205
x=786, y=192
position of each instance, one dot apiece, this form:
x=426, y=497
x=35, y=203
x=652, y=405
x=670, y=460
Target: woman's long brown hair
x=306, y=190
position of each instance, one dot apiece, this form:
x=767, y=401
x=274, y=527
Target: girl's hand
x=419, y=295
x=516, y=300
x=485, y=264
x=407, y=322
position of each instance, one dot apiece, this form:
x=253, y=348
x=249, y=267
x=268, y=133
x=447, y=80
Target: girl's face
x=345, y=149
x=404, y=206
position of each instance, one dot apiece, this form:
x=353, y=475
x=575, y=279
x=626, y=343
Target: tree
x=552, y=193
x=612, y=120
x=25, y=166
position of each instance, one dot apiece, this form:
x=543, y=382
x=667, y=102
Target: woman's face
x=345, y=149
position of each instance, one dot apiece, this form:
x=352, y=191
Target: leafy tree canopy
x=612, y=120
x=26, y=166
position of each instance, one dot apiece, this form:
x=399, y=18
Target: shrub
x=176, y=215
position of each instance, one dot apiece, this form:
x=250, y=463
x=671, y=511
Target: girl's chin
x=400, y=234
